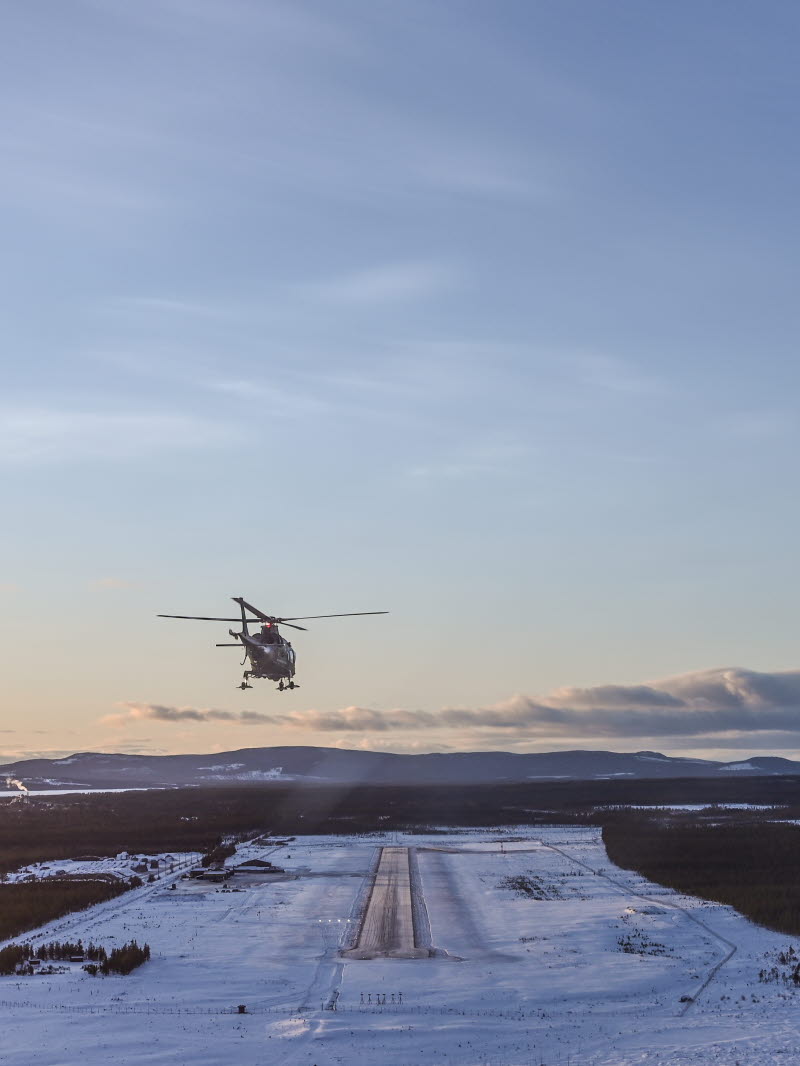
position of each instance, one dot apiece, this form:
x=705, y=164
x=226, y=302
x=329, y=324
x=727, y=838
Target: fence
x=286, y=1012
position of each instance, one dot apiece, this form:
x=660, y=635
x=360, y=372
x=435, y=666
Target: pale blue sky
x=482, y=313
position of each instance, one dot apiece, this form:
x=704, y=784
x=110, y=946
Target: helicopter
x=271, y=655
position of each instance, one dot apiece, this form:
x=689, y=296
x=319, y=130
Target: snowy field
x=17, y=793
x=544, y=952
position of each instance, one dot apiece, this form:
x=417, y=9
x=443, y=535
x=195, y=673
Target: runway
x=387, y=927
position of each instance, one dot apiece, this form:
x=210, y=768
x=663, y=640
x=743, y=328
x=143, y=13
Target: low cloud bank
x=707, y=703
x=135, y=712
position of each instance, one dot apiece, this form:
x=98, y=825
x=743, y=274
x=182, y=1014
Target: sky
x=482, y=314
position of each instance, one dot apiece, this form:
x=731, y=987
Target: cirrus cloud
x=56, y=435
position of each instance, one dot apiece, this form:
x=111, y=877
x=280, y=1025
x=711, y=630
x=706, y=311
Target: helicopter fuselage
x=274, y=661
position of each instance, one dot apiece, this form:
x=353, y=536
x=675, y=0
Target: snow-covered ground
x=19, y=794
x=534, y=927
x=693, y=806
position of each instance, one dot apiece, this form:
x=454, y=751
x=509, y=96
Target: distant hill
x=335, y=765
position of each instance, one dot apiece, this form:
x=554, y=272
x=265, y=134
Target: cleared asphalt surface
x=387, y=928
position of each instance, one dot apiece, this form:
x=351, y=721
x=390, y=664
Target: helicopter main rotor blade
x=252, y=621
x=207, y=618
x=253, y=610
x=347, y=614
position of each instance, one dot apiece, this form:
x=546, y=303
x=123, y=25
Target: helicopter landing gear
x=289, y=684
x=246, y=682
x=244, y=685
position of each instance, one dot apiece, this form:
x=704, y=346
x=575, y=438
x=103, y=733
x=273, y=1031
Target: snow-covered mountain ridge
x=336, y=765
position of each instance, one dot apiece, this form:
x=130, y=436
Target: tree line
x=752, y=866
x=29, y=904
x=122, y=960
x=195, y=819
